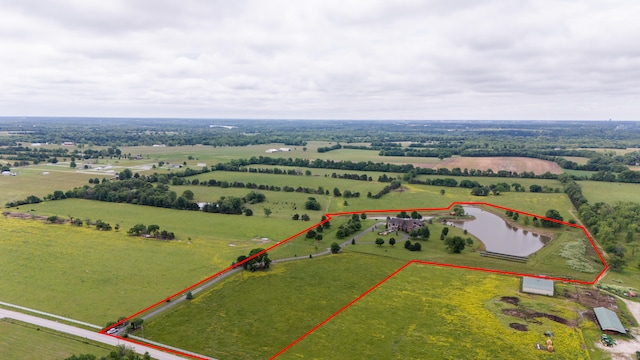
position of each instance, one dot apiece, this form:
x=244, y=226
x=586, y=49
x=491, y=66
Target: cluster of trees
x=297, y=216
x=422, y=233
x=120, y=353
x=395, y=184
x=404, y=215
x=353, y=225
x=257, y=259
x=361, y=177
x=616, y=227
x=455, y=244
x=151, y=230
x=412, y=247
x=329, y=148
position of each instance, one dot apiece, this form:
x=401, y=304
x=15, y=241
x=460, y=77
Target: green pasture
x=254, y=315
x=427, y=196
x=19, y=340
x=609, y=192
x=486, y=181
x=427, y=312
x=577, y=159
x=579, y=173
x=31, y=181
x=96, y=276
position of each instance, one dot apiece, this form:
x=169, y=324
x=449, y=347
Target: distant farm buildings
x=283, y=149
x=537, y=286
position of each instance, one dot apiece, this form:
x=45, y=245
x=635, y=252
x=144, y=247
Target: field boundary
x=329, y=216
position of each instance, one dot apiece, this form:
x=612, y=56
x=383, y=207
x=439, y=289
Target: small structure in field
x=608, y=320
x=537, y=286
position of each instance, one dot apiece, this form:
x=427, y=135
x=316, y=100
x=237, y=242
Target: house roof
x=608, y=320
x=538, y=284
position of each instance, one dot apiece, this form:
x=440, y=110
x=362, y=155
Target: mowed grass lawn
x=23, y=341
x=96, y=276
x=254, y=315
x=427, y=312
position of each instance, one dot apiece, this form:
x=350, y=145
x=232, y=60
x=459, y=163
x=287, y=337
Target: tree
x=336, y=192
x=416, y=247
x=455, y=244
x=379, y=241
x=248, y=212
x=72, y=164
x=445, y=231
x=552, y=214
x=421, y=233
x=189, y=296
x=311, y=234
x=335, y=248
x=188, y=194
x=153, y=229
x=363, y=216
x=319, y=237
x=415, y=215
x=442, y=192
x=535, y=188
x=312, y=204
x=267, y=212
x=295, y=217
x=392, y=241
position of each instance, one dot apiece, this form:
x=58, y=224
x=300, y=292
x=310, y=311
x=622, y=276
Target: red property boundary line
x=421, y=262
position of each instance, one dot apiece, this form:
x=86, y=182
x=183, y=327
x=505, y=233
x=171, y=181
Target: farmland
x=431, y=312
x=98, y=276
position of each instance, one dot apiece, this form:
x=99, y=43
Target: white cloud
x=520, y=59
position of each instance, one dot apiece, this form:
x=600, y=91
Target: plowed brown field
x=518, y=164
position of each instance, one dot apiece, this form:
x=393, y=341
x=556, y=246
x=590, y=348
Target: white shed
x=537, y=286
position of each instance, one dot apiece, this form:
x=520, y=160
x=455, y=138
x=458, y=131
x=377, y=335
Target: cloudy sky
x=396, y=59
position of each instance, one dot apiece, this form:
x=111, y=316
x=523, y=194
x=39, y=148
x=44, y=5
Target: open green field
x=608, y=192
x=19, y=340
x=427, y=312
x=254, y=315
x=95, y=276
x=579, y=173
x=31, y=181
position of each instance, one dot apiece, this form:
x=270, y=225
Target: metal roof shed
x=537, y=286
x=608, y=320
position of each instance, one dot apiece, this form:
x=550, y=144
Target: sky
x=396, y=59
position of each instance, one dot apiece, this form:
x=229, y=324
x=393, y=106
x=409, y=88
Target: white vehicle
x=112, y=331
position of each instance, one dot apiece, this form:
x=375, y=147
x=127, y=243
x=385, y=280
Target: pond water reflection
x=498, y=236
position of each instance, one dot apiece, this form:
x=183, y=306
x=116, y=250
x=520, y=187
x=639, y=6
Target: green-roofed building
x=537, y=286
x=608, y=320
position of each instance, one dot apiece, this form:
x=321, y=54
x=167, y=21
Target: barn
x=608, y=320
x=537, y=286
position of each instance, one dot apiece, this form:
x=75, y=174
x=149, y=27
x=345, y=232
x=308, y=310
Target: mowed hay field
x=23, y=341
x=254, y=315
x=427, y=312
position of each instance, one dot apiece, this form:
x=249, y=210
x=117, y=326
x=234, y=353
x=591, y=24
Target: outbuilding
x=608, y=320
x=537, y=286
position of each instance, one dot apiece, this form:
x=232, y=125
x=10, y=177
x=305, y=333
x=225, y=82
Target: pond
x=498, y=236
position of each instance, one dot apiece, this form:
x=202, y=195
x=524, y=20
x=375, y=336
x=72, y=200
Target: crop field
x=423, y=311
x=253, y=315
x=517, y=164
x=27, y=342
x=598, y=191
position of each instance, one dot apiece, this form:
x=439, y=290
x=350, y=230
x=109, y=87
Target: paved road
x=87, y=334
